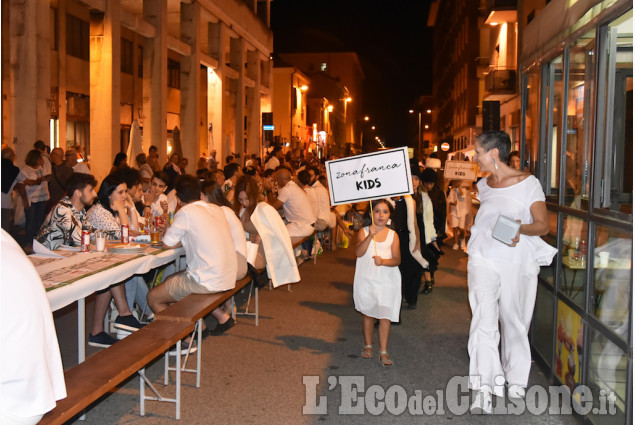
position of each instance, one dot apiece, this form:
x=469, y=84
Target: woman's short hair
x=248, y=185
x=32, y=158
x=108, y=186
x=214, y=193
x=188, y=188
x=496, y=139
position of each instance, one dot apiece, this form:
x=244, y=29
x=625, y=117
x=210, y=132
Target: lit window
x=323, y=66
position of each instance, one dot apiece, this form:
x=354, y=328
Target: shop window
x=615, y=131
x=530, y=125
x=548, y=273
x=612, y=283
x=542, y=329
x=579, y=121
x=553, y=99
x=607, y=374
x=575, y=253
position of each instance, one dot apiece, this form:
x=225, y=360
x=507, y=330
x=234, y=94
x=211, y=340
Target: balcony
x=500, y=84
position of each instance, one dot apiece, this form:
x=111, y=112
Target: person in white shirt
x=32, y=375
x=274, y=159
x=293, y=200
x=74, y=163
x=304, y=180
x=202, y=229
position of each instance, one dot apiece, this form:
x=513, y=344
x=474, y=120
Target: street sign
x=445, y=146
x=369, y=176
x=460, y=170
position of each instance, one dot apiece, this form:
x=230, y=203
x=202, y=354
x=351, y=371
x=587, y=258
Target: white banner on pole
x=369, y=176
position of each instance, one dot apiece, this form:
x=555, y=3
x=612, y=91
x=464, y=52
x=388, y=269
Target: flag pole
x=372, y=218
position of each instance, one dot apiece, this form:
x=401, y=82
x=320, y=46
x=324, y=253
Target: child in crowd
x=460, y=202
x=377, y=282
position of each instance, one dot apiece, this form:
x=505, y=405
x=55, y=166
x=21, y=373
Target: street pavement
x=302, y=364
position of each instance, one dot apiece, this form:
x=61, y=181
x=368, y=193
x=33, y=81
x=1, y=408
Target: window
x=174, y=74
x=530, y=123
x=126, y=56
x=615, y=115
x=323, y=66
x=54, y=29
x=77, y=37
x=552, y=126
x=579, y=121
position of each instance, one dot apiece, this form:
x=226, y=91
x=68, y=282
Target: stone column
x=105, y=88
x=61, y=58
x=29, y=75
x=191, y=85
x=155, y=78
x=254, y=133
x=237, y=61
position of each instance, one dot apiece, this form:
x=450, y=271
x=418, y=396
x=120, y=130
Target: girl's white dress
x=377, y=289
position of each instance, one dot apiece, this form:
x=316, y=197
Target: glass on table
x=100, y=240
x=155, y=235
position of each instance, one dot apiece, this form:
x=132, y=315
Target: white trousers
x=505, y=292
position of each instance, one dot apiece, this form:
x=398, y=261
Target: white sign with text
x=460, y=170
x=369, y=176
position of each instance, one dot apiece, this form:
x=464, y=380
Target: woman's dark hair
x=512, y=154
x=79, y=181
x=119, y=158
x=248, y=185
x=130, y=176
x=188, y=188
x=495, y=139
x=108, y=186
x=32, y=157
x=429, y=176
x=214, y=193
x=163, y=176
x=250, y=171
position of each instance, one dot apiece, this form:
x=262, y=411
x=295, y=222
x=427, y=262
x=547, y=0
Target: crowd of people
x=258, y=206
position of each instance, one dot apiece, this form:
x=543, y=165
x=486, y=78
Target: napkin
x=140, y=238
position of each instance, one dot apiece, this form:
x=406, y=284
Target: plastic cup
x=100, y=242
x=603, y=259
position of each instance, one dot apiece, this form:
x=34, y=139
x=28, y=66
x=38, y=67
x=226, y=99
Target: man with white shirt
x=202, y=229
x=293, y=200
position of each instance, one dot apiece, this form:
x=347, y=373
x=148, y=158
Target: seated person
x=295, y=203
x=264, y=227
x=136, y=287
x=232, y=173
x=202, y=229
x=64, y=225
x=325, y=217
x=211, y=192
x=110, y=212
x=155, y=201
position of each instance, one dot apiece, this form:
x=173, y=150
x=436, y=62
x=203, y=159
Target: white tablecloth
x=64, y=295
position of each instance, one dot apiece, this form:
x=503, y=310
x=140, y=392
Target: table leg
x=81, y=330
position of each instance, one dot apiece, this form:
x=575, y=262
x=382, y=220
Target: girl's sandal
x=385, y=359
x=367, y=352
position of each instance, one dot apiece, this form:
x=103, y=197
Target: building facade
x=80, y=72
x=576, y=136
x=346, y=69
x=290, y=87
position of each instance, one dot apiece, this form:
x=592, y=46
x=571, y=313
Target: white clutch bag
x=505, y=229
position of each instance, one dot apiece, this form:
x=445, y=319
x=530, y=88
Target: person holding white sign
x=377, y=282
x=502, y=277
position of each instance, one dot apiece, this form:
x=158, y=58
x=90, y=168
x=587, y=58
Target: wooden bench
x=192, y=309
x=297, y=241
x=103, y=371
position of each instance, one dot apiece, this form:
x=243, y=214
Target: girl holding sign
x=377, y=282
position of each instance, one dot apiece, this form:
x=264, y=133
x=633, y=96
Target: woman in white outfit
x=502, y=279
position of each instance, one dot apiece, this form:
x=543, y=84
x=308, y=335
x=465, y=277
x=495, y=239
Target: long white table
x=84, y=284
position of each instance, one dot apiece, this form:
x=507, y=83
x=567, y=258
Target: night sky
x=391, y=39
